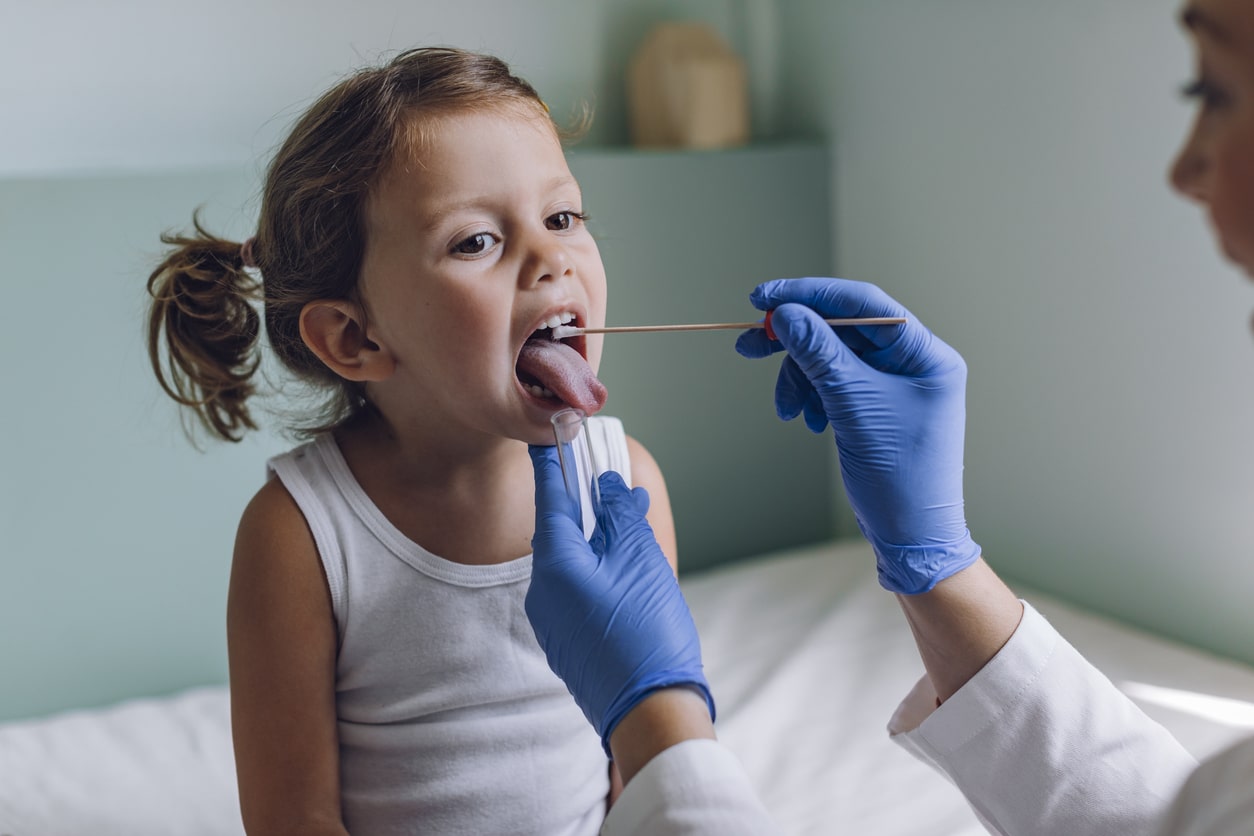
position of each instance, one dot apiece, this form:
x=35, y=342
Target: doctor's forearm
x=961, y=624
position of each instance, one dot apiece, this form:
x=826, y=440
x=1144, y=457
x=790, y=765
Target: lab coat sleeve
x=695, y=788
x=1040, y=742
x=1218, y=798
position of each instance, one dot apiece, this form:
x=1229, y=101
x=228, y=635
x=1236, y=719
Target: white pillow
x=147, y=767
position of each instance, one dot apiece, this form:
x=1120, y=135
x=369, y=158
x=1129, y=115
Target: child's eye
x=565, y=220
x=476, y=244
x=1206, y=92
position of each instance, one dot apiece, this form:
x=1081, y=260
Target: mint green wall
x=1001, y=168
x=123, y=93
x=117, y=534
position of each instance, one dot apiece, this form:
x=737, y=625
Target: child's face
x=1216, y=164
x=473, y=243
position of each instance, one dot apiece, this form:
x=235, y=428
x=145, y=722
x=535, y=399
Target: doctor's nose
x=1188, y=171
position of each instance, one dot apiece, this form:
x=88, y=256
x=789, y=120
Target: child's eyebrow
x=563, y=180
x=482, y=201
x=436, y=217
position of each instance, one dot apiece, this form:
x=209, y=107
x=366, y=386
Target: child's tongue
x=563, y=371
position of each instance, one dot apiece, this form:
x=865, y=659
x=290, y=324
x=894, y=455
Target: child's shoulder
x=273, y=544
x=273, y=514
x=272, y=510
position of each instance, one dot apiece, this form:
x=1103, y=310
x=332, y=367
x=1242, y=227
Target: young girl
x=420, y=231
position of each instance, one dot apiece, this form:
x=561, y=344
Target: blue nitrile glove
x=608, y=613
x=895, y=398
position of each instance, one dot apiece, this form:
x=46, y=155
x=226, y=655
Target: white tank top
x=450, y=720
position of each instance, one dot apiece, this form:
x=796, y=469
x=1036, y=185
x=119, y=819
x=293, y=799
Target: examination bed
x=807, y=657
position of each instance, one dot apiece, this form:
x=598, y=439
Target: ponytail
x=203, y=304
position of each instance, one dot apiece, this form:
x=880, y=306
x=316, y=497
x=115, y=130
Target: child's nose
x=546, y=260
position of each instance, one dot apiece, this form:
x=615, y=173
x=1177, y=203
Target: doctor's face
x=1216, y=165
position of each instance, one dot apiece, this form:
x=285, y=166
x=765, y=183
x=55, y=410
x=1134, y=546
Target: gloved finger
x=642, y=500
x=815, y=415
x=621, y=507
x=830, y=297
x=909, y=349
x=792, y=390
x=818, y=352
x=795, y=395
x=836, y=298
x=852, y=336
x=552, y=501
x=614, y=492
x=917, y=352
x=616, y=498
x=754, y=343
x=619, y=497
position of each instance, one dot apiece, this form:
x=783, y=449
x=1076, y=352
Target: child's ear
x=334, y=330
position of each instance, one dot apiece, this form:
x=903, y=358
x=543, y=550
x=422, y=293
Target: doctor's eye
x=564, y=220
x=476, y=244
x=1207, y=92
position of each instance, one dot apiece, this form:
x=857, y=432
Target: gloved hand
x=608, y=613
x=894, y=396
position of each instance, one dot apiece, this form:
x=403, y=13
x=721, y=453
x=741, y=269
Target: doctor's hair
x=204, y=328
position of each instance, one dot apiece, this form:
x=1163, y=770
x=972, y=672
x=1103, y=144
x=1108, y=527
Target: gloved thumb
x=559, y=531
x=551, y=496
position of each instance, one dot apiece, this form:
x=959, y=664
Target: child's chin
x=542, y=436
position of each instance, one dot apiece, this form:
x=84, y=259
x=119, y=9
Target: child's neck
x=471, y=504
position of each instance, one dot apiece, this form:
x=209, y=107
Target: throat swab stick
x=563, y=331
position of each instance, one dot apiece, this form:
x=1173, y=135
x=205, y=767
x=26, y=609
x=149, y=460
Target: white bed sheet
x=807, y=657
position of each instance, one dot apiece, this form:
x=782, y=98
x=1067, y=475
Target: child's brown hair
x=310, y=237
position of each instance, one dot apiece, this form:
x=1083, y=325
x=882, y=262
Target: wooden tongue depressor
x=563, y=331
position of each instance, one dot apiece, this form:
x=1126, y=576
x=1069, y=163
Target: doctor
x=1037, y=739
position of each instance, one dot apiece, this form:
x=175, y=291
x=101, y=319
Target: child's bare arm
x=646, y=474
x=282, y=645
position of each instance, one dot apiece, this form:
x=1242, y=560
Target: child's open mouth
x=557, y=371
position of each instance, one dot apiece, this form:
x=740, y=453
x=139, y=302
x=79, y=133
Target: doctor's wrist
x=960, y=624
x=664, y=718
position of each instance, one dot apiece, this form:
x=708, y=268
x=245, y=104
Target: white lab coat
x=1039, y=742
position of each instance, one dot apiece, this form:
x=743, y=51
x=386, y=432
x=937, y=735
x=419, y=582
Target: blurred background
x=999, y=167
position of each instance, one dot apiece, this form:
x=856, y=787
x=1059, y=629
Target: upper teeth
x=557, y=319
